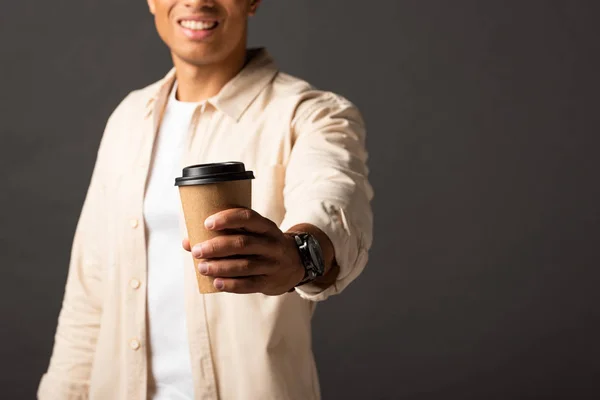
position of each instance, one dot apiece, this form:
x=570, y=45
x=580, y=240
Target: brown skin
x=259, y=258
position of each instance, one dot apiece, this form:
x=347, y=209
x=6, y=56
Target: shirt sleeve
x=78, y=326
x=326, y=184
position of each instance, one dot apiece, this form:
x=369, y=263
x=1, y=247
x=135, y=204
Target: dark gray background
x=483, y=132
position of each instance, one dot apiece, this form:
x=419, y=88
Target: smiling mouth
x=199, y=25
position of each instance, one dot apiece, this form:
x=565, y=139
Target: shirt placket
x=136, y=267
x=205, y=386
x=195, y=123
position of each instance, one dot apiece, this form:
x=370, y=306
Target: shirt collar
x=237, y=95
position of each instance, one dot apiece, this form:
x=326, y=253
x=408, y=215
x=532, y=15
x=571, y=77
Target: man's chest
x=262, y=143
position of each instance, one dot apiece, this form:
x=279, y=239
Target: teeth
x=198, y=25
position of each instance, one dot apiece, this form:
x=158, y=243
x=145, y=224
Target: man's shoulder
x=143, y=95
x=303, y=95
x=287, y=84
x=137, y=100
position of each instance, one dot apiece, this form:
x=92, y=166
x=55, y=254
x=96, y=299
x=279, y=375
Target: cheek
x=237, y=9
x=163, y=25
x=243, y=4
x=236, y=22
x=163, y=30
x=162, y=16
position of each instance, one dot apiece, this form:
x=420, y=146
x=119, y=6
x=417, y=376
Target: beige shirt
x=307, y=150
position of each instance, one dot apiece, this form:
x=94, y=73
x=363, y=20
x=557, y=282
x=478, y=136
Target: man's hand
x=254, y=257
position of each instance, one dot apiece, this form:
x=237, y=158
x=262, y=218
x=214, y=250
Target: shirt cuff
x=331, y=219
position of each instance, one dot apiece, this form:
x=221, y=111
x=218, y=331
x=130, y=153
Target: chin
x=200, y=56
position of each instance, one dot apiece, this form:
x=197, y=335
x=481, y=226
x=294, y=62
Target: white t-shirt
x=168, y=338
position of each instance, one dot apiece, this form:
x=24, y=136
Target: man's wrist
x=331, y=269
x=296, y=263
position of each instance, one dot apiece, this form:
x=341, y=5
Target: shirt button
x=134, y=283
x=134, y=344
x=134, y=223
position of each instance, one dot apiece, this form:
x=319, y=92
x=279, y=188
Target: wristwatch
x=311, y=256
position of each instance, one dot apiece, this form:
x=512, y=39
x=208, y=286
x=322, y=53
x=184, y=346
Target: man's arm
x=78, y=326
x=79, y=319
x=327, y=192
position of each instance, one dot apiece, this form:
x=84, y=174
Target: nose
x=204, y=6
x=199, y=3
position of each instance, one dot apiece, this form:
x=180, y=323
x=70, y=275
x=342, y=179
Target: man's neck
x=196, y=83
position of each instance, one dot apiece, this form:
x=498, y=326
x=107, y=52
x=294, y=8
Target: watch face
x=316, y=255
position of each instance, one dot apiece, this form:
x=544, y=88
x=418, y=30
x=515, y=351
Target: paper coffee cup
x=206, y=189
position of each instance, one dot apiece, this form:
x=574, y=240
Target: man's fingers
x=186, y=244
x=232, y=245
x=252, y=284
x=233, y=267
x=241, y=218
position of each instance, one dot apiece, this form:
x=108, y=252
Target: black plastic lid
x=202, y=174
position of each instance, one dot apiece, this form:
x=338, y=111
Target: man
x=133, y=325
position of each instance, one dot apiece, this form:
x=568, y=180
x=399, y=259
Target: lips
x=198, y=28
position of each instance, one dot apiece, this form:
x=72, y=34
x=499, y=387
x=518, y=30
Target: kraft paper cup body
x=201, y=201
